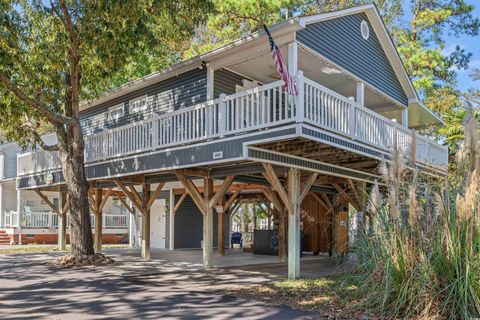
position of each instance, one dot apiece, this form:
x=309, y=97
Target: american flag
x=282, y=69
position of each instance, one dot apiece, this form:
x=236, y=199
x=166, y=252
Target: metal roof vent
x=364, y=29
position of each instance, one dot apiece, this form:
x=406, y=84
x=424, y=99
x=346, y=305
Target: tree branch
x=38, y=139
x=52, y=117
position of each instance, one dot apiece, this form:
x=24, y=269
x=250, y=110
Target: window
x=138, y=104
x=364, y=29
x=116, y=112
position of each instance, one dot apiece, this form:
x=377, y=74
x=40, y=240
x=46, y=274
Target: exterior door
x=157, y=224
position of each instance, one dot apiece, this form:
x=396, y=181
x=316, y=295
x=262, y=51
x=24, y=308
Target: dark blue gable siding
x=340, y=41
x=174, y=93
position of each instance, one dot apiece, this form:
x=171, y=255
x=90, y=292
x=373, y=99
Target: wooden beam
x=66, y=206
x=193, y=191
x=220, y=193
x=231, y=199
x=91, y=202
x=47, y=201
x=154, y=196
x=179, y=203
x=307, y=185
x=347, y=197
x=326, y=200
x=272, y=197
x=272, y=178
x=320, y=201
x=234, y=187
x=354, y=191
x=124, y=203
x=127, y=193
x=137, y=197
x=105, y=199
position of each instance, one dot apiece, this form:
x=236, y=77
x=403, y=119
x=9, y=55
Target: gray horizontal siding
x=174, y=93
x=340, y=41
x=224, y=81
x=189, y=156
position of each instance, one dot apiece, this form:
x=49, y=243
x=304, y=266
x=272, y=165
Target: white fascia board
x=421, y=116
x=303, y=21
x=288, y=26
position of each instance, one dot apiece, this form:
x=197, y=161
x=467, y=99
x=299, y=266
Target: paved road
x=30, y=288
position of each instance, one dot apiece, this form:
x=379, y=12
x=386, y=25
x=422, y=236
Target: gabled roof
x=422, y=115
x=419, y=115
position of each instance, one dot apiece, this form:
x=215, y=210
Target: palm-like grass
x=424, y=256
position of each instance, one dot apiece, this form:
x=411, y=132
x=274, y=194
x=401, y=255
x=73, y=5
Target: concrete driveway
x=30, y=288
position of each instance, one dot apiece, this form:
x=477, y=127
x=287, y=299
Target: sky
x=470, y=44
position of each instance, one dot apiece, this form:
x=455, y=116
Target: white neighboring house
x=26, y=218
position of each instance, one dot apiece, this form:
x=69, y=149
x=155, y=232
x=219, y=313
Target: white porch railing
x=10, y=219
x=258, y=108
x=46, y=219
x=329, y=110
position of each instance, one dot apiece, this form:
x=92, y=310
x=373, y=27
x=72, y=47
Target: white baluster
x=300, y=103
x=222, y=115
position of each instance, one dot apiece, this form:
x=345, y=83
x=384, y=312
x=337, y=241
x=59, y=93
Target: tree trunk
x=77, y=188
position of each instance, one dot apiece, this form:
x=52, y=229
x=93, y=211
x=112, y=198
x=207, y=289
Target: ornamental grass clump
x=423, y=258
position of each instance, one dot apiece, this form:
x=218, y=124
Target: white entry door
x=158, y=217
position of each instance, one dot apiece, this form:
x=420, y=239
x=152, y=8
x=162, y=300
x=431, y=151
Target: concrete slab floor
x=30, y=288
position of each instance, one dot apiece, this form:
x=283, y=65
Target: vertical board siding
x=224, y=81
x=341, y=41
x=9, y=152
x=9, y=196
x=317, y=226
x=174, y=93
x=188, y=232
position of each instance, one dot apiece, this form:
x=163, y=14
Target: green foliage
x=423, y=253
x=421, y=43
x=117, y=41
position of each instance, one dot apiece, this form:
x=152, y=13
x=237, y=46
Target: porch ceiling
x=318, y=151
x=262, y=69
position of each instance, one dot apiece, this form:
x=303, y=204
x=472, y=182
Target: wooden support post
x=282, y=239
x=294, y=194
x=146, y=222
x=221, y=232
x=62, y=222
x=208, y=223
x=98, y=221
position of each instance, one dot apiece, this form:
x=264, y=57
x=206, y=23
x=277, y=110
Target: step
x=3, y=232
x=3, y=242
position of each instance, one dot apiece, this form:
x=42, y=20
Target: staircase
x=4, y=239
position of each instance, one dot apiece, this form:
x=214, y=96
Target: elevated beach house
x=186, y=146
x=27, y=217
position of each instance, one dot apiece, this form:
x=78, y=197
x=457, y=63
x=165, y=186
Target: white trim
x=303, y=21
x=116, y=111
x=210, y=82
x=365, y=30
x=171, y=234
x=136, y=109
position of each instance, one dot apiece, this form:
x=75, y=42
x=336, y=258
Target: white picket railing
x=47, y=219
x=253, y=109
x=10, y=219
x=256, y=108
x=329, y=110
